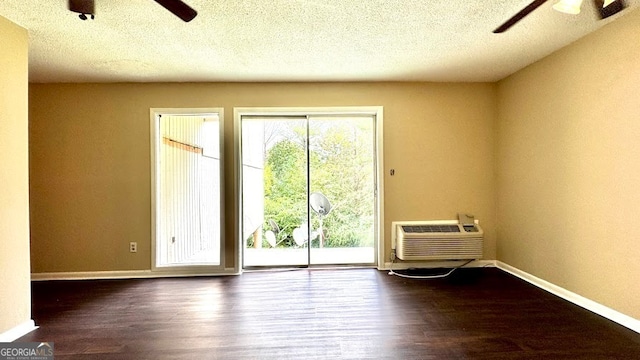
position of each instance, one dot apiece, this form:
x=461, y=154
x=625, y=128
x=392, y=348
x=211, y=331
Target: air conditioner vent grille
x=443, y=249
x=430, y=240
x=418, y=229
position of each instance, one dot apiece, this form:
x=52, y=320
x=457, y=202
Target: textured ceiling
x=293, y=40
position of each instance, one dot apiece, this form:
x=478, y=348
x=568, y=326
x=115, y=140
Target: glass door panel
x=274, y=194
x=342, y=189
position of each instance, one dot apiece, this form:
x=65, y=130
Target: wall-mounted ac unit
x=436, y=240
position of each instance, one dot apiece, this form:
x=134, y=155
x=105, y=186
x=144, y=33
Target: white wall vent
x=437, y=240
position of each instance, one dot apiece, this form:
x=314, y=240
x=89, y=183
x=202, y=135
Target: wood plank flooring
x=321, y=314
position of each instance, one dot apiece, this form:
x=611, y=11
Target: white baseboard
x=604, y=311
x=125, y=274
x=437, y=264
x=18, y=331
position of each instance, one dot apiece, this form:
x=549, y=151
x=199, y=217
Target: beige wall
x=90, y=177
x=569, y=167
x=15, y=294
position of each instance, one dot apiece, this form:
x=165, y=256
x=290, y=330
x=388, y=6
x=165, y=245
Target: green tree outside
x=340, y=157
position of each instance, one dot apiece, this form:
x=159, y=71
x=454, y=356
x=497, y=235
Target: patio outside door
x=308, y=190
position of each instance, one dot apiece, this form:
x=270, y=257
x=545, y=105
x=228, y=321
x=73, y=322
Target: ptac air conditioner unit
x=433, y=240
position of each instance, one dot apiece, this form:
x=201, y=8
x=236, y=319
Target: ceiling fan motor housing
x=82, y=6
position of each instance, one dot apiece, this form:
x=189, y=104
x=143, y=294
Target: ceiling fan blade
x=519, y=16
x=179, y=9
x=612, y=9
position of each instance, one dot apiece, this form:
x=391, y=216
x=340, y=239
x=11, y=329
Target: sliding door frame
x=375, y=111
x=155, y=139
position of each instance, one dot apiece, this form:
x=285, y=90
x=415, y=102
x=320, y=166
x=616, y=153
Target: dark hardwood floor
x=321, y=314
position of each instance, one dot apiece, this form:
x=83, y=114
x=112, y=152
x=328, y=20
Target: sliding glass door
x=308, y=189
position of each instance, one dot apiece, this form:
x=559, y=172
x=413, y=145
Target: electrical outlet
x=133, y=247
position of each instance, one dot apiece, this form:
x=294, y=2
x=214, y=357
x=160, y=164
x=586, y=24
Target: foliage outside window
x=340, y=156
